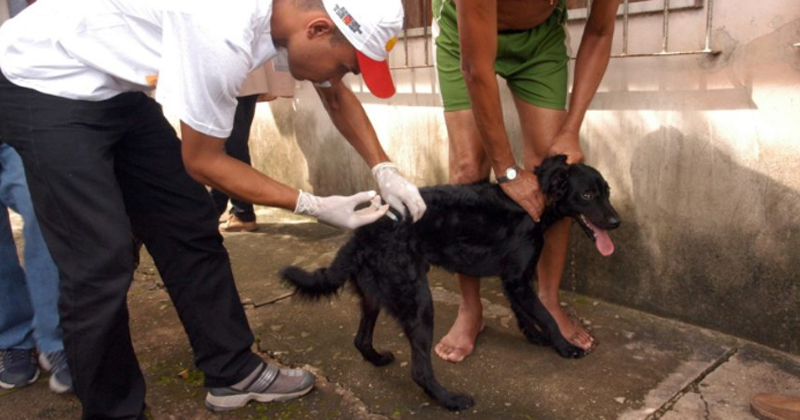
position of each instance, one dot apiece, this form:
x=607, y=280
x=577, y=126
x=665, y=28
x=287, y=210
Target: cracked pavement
x=645, y=368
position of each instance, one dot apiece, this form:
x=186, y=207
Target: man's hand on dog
x=567, y=143
x=524, y=190
x=397, y=191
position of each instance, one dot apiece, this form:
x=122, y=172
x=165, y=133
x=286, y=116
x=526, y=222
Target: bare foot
x=571, y=332
x=460, y=340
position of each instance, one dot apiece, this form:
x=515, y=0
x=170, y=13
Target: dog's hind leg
x=417, y=323
x=363, y=340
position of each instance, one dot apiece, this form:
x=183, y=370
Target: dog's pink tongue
x=602, y=241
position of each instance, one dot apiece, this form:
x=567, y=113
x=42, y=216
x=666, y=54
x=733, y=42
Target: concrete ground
x=646, y=367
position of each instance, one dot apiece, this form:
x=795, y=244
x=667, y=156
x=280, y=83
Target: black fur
x=471, y=229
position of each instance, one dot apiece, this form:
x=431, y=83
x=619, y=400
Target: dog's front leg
x=516, y=291
x=535, y=322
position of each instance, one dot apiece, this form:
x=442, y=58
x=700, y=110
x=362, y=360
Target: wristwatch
x=510, y=175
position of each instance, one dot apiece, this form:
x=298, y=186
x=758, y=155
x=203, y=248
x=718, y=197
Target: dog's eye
x=587, y=196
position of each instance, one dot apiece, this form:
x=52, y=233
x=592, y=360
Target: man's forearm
x=592, y=61
x=590, y=66
x=206, y=161
x=485, y=97
x=351, y=120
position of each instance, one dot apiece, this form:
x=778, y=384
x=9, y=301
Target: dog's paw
x=536, y=337
x=569, y=351
x=457, y=402
x=382, y=359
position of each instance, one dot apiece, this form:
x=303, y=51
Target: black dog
x=472, y=229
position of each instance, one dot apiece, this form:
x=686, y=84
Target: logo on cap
x=347, y=18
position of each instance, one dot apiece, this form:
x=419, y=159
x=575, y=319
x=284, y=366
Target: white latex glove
x=339, y=211
x=399, y=193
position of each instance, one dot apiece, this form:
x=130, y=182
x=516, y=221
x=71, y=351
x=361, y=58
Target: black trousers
x=96, y=170
x=236, y=146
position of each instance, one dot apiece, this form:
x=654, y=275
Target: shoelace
x=58, y=360
x=13, y=357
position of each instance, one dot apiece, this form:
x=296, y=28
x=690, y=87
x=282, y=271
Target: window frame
x=641, y=7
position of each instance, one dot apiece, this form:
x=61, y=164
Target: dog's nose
x=614, y=222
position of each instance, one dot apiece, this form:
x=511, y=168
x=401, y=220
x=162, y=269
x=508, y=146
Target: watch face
x=511, y=173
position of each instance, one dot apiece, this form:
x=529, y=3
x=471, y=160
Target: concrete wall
x=702, y=154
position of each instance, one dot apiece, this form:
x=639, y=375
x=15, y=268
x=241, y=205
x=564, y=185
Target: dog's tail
x=323, y=281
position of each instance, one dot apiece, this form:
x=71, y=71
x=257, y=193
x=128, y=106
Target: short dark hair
x=309, y=4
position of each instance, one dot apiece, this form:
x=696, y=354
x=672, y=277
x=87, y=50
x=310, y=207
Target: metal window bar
x=425, y=30
x=665, y=30
x=425, y=4
x=665, y=34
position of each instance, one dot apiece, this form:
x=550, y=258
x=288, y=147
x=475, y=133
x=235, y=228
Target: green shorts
x=533, y=62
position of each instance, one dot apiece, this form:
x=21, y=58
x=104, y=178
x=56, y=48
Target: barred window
x=578, y=8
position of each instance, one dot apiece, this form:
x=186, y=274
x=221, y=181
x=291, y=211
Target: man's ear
x=320, y=26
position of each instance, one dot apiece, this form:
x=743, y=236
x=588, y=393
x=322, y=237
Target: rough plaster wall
x=703, y=156
x=293, y=140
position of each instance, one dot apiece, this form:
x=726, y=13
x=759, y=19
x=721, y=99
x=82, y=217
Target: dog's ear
x=552, y=174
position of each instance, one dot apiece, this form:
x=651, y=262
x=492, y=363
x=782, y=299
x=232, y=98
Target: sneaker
x=267, y=383
x=56, y=364
x=235, y=224
x=18, y=368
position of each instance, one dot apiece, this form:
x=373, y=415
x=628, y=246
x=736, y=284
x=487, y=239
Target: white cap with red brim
x=371, y=26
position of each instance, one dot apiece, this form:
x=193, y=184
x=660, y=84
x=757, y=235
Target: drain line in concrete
x=691, y=386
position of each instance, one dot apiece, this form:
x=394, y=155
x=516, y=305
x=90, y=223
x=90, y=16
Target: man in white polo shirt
x=102, y=160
